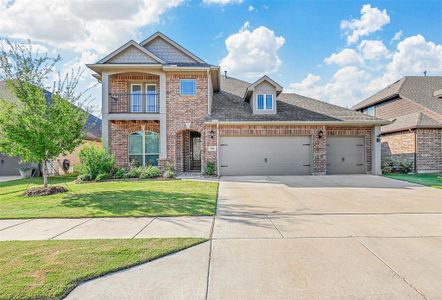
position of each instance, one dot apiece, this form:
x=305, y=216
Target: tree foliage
x=36, y=124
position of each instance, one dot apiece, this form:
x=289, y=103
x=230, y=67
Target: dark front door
x=195, y=151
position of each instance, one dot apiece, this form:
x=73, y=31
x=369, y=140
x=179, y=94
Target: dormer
x=262, y=95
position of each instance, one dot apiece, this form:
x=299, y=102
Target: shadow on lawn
x=142, y=203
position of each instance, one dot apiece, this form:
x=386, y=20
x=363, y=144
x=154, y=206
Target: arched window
x=144, y=148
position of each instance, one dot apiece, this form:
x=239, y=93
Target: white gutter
x=217, y=150
x=309, y=123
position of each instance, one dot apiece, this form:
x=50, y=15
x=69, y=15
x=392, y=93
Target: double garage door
x=287, y=155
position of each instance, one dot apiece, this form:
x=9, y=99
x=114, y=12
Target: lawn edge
x=77, y=283
x=409, y=181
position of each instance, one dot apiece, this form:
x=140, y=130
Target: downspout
x=217, y=149
x=415, y=151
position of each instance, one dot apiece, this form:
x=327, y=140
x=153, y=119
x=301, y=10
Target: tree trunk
x=45, y=173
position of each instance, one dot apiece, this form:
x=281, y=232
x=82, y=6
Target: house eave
x=309, y=123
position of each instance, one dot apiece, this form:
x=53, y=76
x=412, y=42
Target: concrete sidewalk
x=105, y=228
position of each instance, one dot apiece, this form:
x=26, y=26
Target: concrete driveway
x=321, y=237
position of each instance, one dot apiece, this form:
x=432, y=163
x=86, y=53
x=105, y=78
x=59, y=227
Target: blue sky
x=337, y=51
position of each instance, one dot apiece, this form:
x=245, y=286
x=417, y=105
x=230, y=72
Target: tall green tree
x=37, y=125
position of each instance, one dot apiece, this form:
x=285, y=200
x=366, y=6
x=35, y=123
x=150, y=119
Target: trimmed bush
x=405, y=166
x=96, y=160
x=119, y=173
x=149, y=172
x=387, y=166
x=210, y=169
x=133, y=172
x=84, y=177
x=102, y=177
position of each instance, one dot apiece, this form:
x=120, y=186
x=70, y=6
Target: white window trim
x=143, y=143
x=187, y=95
x=131, y=99
x=147, y=98
x=265, y=102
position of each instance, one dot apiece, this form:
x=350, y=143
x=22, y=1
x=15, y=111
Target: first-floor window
x=144, y=148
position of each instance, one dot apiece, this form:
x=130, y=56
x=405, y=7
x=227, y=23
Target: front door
x=195, y=151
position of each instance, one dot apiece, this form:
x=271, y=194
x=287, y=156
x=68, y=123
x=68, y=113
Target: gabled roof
x=126, y=46
x=252, y=86
x=411, y=121
x=419, y=89
x=93, y=123
x=229, y=106
x=173, y=43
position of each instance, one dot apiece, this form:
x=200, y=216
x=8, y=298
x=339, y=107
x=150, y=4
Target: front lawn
x=109, y=199
x=50, y=269
x=433, y=180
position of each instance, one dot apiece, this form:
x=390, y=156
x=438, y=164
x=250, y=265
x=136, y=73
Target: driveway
x=302, y=237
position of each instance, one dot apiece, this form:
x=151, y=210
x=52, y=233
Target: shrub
x=405, y=166
x=102, y=177
x=149, y=172
x=210, y=169
x=387, y=166
x=169, y=171
x=133, y=172
x=84, y=177
x=95, y=160
x=119, y=173
x=77, y=169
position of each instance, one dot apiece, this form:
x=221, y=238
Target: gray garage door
x=9, y=165
x=345, y=155
x=265, y=155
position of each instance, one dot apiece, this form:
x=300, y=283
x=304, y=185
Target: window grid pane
x=269, y=102
x=260, y=102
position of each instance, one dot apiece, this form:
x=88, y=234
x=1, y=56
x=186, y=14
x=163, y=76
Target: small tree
x=37, y=125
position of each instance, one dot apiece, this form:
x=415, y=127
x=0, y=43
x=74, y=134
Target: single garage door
x=270, y=155
x=345, y=155
x=9, y=165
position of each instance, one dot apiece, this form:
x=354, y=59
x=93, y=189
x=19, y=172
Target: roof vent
x=437, y=93
x=225, y=74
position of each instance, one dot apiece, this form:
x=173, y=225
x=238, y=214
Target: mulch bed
x=45, y=191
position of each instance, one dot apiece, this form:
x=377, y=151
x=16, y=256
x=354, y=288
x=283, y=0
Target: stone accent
x=185, y=113
x=119, y=132
x=319, y=145
x=429, y=150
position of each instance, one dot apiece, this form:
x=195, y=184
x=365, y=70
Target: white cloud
x=80, y=25
x=222, y=2
x=345, y=57
x=252, y=53
x=397, y=36
x=372, y=19
x=251, y=8
x=373, y=49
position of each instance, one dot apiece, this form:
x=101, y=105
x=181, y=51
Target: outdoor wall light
x=378, y=138
x=212, y=134
x=320, y=134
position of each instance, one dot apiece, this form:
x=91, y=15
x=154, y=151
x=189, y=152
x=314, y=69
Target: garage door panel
x=265, y=155
x=346, y=155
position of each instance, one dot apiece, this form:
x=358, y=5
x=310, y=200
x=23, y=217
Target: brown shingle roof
x=413, y=120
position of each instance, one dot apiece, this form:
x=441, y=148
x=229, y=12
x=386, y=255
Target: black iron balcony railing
x=134, y=103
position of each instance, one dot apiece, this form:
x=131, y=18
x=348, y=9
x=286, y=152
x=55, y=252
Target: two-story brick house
x=161, y=103
x=414, y=106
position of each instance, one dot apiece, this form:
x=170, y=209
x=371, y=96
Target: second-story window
x=151, y=98
x=187, y=87
x=371, y=111
x=264, y=102
x=136, y=102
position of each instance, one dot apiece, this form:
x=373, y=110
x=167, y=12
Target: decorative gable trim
x=251, y=87
x=129, y=44
x=173, y=43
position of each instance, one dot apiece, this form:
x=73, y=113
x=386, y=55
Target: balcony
x=134, y=103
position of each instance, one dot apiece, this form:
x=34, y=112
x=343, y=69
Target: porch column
x=163, y=120
x=105, y=109
x=376, y=152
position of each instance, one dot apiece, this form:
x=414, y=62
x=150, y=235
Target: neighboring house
x=414, y=105
x=161, y=103
x=10, y=165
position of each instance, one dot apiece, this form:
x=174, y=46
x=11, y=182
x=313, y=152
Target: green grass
x=50, y=269
x=433, y=180
x=111, y=199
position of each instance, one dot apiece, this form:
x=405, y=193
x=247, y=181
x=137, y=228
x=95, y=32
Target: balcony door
x=136, y=98
x=151, y=97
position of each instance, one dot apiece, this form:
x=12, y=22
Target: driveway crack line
x=392, y=269
x=10, y=226
x=268, y=217
x=208, y=268
x=144, y=227
x=69, y=229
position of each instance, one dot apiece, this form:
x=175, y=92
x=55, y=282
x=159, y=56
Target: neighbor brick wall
x=318, y=147
x=119, y=132
x=57, y=164
x=182, y=110
x=398, y=146
x=429, y=150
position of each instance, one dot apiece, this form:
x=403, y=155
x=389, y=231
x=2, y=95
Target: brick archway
x=188, y=150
